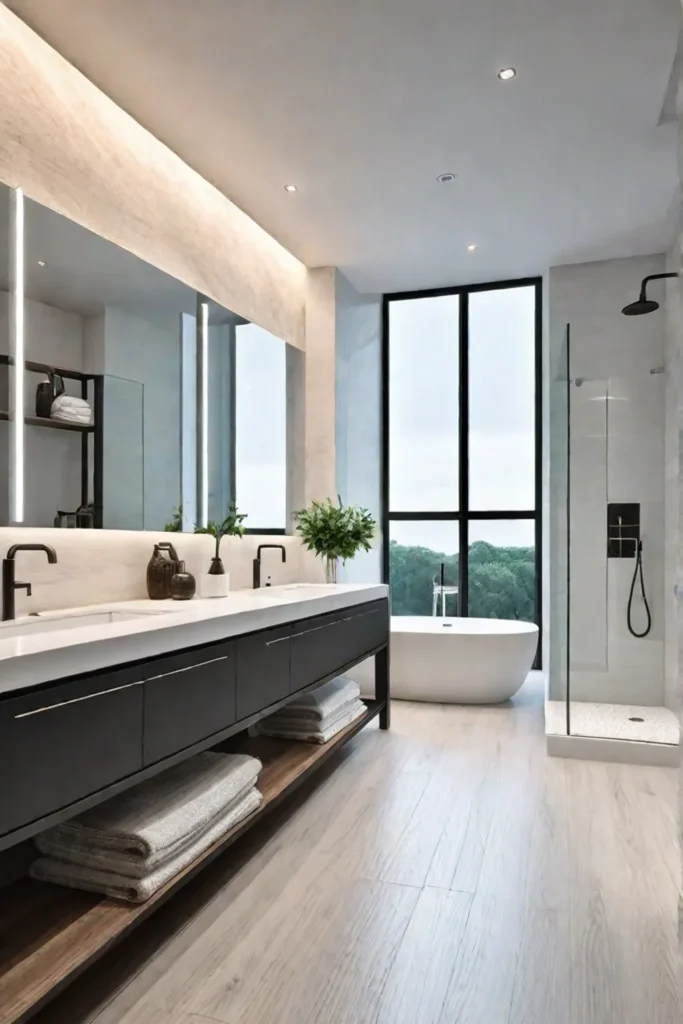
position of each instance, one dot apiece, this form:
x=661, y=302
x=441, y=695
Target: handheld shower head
x=644, y=305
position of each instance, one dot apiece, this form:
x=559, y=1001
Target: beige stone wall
x=103, y=566
x=72, y=148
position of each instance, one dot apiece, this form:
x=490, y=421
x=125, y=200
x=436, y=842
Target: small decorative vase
x=161, y=569
x=183, y=584
x=330, y=569
x=216, y=583
x=46, y=392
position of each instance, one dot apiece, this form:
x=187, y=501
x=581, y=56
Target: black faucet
x=9, y=585
x=257, y=561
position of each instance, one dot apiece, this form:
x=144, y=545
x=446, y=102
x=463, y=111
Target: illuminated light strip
x=204, y=468
x=19, y=362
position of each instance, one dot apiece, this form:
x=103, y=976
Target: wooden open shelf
x=49, y=934
x=44, y=421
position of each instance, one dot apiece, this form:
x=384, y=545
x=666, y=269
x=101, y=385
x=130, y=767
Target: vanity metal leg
x=382, y=686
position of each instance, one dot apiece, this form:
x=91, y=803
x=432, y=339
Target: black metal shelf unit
x=89, y=495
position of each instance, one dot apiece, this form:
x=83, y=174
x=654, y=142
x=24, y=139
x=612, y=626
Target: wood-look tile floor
x=445, y=872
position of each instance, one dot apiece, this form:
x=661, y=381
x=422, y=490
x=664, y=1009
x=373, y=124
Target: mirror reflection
x=146, y=405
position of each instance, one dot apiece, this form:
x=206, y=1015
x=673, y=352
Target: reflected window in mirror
x=261, y=427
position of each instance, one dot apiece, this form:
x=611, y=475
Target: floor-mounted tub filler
x=460, y=660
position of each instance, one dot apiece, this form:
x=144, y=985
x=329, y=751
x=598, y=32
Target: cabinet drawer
x=366, y=628
x=316, y=649
x=60, y=744
x=188, y=697
x=323, y=646
x=262, y=670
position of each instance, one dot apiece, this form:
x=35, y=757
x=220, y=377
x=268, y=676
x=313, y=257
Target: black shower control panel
x=623, y=529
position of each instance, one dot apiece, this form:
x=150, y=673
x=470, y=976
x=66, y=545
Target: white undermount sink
x=53, y=623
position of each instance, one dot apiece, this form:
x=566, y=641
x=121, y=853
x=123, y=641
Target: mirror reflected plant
x=175, y=523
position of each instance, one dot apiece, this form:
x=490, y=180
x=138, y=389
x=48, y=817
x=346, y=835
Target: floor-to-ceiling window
x=462, y=451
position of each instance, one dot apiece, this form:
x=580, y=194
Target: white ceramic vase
x=214, y=585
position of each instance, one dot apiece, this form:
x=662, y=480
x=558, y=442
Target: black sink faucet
x=9, y=585
x=257, y=561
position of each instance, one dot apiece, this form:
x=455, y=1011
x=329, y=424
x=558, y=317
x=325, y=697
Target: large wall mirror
x=145, y=405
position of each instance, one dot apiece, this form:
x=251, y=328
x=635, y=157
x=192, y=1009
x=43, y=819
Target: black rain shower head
x=644, y=305
x=640, y=307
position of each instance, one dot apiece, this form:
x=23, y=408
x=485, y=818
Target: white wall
x=617, y=455
x=358, y=414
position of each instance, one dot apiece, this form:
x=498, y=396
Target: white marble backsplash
x=97, y=566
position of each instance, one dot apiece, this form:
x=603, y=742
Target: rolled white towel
x=67, y=416
x=67, y=406
x=70, y=402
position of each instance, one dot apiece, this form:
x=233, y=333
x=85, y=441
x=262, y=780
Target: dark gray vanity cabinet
x=188, y=696
x=67, y=744
x=62, y=743
x=262, y=669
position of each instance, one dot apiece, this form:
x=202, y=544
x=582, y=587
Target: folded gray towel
x=45, y=869
x=128, y=863
x=158, y=814
x=299, y=723
x=296, y=712
x=308, y=733
x=326, y=699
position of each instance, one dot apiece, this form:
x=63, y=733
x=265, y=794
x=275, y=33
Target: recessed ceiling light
x=290, y=188
x=471, y=248
x=505, y=74
x=446, y=178
x=42, y=263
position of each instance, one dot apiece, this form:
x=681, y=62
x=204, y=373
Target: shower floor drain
x=636, y=719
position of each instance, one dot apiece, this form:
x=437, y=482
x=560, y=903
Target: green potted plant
x=335, y=531
x=216, y=583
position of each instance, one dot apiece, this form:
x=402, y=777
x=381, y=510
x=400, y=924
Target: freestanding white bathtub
x=460, y=661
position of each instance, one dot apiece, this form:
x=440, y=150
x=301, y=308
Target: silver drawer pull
x=316, y=629
x=77, y=700
x=188, y=668
x=269, y=643
x=361, y=615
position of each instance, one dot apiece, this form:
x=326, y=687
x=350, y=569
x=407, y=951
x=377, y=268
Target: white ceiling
x=362, y=103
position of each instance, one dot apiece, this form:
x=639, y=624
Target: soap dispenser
x=161, y=568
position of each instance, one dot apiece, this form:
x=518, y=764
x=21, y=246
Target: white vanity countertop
x=36, y=658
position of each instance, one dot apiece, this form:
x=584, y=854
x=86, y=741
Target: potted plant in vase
x=216, y=583
x=335, y=531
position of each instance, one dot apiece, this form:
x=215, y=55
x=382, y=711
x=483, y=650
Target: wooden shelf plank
x=43, y=421
x=49, y=934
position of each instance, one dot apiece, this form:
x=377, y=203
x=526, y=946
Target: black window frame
x=463, y=515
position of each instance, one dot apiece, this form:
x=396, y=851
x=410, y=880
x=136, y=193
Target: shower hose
x=638, y=574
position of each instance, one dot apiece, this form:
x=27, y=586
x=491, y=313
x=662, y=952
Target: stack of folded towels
x=317, y=715
x=132, y=845
x=71, y=410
